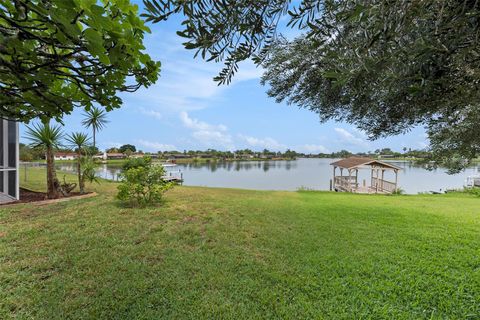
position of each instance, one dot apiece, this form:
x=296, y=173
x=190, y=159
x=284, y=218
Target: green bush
x=473, y=190
x=142, y=184
x=88, y=169
x=136, y=163
x=398, y=191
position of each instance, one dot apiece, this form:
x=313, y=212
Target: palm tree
x=80, y=142
x=95, y=118
x=48, y=138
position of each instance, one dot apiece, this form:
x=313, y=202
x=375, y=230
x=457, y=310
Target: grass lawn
x=224, y=253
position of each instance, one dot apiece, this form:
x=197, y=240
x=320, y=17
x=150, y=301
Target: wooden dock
x=173, y=177
x=349, y=183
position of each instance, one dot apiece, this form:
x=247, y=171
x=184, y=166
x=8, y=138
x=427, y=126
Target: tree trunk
x=53, y=186
x=81, y=182
x=94, y=145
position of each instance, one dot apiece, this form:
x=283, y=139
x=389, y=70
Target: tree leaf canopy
x=57, y=55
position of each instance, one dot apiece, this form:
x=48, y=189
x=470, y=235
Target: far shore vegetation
x=119, y=155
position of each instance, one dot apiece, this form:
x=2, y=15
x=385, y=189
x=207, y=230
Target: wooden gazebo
x=349, y=183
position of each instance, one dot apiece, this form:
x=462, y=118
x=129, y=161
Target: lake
x=301, y=173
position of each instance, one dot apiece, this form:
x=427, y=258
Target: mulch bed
x=27, y=196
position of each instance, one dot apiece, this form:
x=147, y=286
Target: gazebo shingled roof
x=355, y=162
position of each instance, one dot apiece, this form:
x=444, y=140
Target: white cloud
x=357, y=139
x=195, y=124
x=111, y=144
x=247, y=71
x=425, y=141
x=211, y=136
x=263, y=143
x=214, y=138
x=187, y=85
x=151, y=113
x=313, y=148
x=422, y=144
x=156, y=146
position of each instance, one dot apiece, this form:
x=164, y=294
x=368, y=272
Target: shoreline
x=206, y=160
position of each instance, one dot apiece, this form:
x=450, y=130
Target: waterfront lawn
x=224, y=253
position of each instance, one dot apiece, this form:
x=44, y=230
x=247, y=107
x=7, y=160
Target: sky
x=186, y=110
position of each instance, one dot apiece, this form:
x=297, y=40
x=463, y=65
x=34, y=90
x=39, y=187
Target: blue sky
x=185, y=109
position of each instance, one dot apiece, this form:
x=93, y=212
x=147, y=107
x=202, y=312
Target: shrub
x=473, y=191
x=142, y=184
x=398, y=191
x=88, y=170
x=136, y=163
x=304, y=188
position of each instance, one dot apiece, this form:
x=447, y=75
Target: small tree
x=48, y=138
x=128, y=153
x=142, y=182
x=80, y=142
x=96, y=119
x=125, y=147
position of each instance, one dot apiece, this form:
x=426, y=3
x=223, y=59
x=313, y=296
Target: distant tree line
x=28, y=153
x=237, y=154
x=378, y=153
x=268, y=154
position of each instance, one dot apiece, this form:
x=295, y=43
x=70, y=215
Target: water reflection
x=213, y=166
x=291, y=175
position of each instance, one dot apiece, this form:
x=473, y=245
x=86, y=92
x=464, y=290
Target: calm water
x=292, y=175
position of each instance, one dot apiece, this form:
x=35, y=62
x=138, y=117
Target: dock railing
x=346, y=183
x=174, y=176
x=383, y=185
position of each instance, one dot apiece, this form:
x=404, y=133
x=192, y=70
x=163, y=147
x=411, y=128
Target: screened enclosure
x=9, y=158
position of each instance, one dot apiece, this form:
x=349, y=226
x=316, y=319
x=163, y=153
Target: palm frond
x=95, y=118
x=78, y=140
x=44, y=135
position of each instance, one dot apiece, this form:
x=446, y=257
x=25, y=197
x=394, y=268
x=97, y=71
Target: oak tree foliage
x=382, y=65
x=57, y=55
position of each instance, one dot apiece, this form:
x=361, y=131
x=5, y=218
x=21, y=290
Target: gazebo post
x=376, y=184
x=334, y=169
x=383, y=174
x=341, y=177
x=356, y=178
x=350, y=180
x=396, y=178
x=371, y=179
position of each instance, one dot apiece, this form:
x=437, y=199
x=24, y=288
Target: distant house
x=245, y=156
x=101, y=156
x=65, y=156
x=174, y=156
x=9, y=161
x=153, y=155
x=113, y=156
x=137, y=155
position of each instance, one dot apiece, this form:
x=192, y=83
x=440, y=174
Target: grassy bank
x=224, y=253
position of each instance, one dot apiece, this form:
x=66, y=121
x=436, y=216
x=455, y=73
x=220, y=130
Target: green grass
x=235, y=254
x=33, y=178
